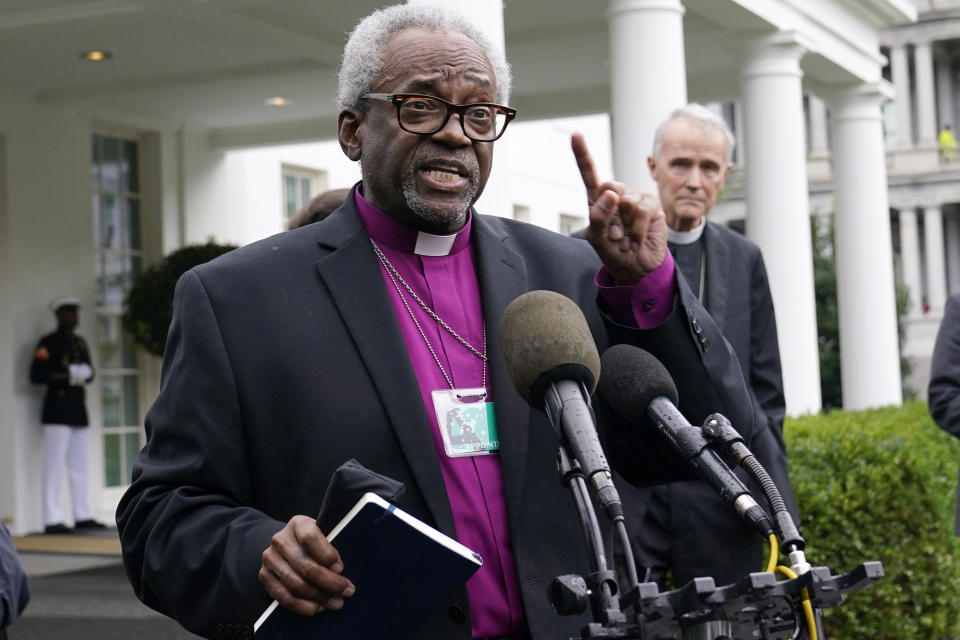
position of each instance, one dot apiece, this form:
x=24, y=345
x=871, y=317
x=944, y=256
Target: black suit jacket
x=285, y=360
x=737, y=296
x=943, y=393
x=688, y=528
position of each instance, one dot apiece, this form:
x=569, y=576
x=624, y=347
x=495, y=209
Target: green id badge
x=467, y=422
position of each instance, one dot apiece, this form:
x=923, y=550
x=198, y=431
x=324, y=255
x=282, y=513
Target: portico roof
x=212, y=64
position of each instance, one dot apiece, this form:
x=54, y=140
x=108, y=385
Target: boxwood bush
x=149, y=304
x=881, y=485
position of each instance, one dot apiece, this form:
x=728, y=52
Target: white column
x=910, y=259
x=778, y=206
x=818, y=126
x=486, y=14
x=926, y=100
x=738, y=127
x=869, y=345
x=936, y=262
x=955, y=99
x=951, y=229
x=13, y=451
x=818, y=157
x=648, y=80
x=945, y=104
x=900, y=72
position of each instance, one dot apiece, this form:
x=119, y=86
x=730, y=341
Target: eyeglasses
x=425, y=115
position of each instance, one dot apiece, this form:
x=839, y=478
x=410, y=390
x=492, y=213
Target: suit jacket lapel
x=369, y=316
x=503, y=277
x=715, y=253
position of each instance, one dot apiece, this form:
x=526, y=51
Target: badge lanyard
x=467, y=422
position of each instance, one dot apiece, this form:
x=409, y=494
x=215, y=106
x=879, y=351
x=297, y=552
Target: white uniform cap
x=64, y=301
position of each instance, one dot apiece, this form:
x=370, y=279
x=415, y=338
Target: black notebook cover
x=403, y=569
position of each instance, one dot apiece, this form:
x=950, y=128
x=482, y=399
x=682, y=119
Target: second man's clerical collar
x=387, y=231
x=686, y=237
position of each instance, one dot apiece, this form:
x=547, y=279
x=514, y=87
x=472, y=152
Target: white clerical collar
x=686, y=237
x=431, y=245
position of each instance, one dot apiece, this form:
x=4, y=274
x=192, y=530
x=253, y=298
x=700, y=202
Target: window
x=299, y=185
x=119, y=255
x=570, y=223
x=521, y=213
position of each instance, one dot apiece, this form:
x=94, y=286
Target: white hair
x=363, y=54
x=702, y=116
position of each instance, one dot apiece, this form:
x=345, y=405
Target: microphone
x=720, y=432
x=553, y=363
x=639, y=388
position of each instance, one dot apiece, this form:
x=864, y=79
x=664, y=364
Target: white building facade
x=923, y=186
x=105, y=169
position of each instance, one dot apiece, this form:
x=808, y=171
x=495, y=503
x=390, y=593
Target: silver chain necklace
x=397, y=280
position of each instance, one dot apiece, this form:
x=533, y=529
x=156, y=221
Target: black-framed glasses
x=425, y=115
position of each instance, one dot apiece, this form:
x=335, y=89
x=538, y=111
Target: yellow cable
x=807, y=605
x=774, y=553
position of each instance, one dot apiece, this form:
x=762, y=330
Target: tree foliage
x=828, y=325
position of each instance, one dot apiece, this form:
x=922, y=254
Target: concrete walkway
x=79, y=592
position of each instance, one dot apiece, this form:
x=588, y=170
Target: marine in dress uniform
x=62, y=362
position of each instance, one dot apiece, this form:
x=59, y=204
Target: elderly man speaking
x=290, y=357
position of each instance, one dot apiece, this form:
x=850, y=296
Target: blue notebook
x=404, y=571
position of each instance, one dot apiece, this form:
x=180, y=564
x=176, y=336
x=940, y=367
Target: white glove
x=80, y=373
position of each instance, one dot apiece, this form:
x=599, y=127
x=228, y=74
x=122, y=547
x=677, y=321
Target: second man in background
x=684, y=527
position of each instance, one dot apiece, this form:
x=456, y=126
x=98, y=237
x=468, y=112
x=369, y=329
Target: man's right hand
x=301, y=569
x=627, y=227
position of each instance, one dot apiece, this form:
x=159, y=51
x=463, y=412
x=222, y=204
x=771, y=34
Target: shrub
x=149, y=307
x=880, y=485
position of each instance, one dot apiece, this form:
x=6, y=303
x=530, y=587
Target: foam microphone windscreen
x=631, y=378
x=545, y=338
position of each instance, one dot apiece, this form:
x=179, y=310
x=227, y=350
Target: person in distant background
x=62, y=362
x=319, y=207
x=947, y=144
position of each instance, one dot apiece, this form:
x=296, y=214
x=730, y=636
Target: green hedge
x=881, y=485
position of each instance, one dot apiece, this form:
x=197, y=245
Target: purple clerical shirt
x=446, y=281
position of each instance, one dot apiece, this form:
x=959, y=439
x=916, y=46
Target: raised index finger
x=588, y=171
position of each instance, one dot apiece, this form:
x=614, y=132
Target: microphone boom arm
x=567, y=594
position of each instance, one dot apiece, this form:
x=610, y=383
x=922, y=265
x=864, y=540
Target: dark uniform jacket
x=285, y=360
x=63, y=403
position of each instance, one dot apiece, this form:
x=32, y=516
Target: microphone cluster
x=639, y=388
x=553, y=363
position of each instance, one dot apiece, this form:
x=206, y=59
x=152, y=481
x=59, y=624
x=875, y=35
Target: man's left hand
x=627, y=229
